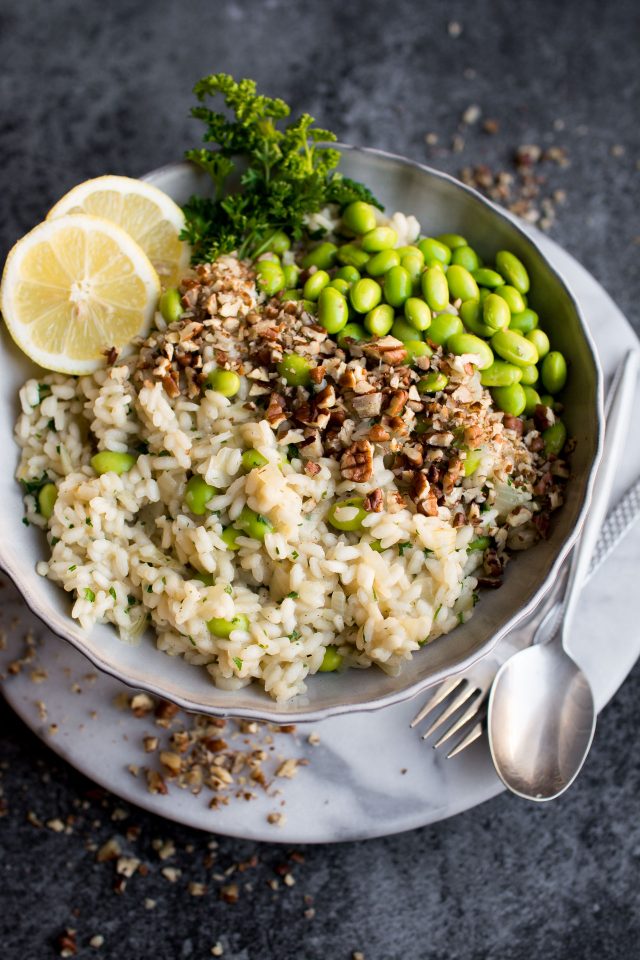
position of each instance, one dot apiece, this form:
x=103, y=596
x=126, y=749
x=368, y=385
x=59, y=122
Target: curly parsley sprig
x=288, y=173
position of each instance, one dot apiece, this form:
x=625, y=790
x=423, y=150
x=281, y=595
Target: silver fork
x=464, y=699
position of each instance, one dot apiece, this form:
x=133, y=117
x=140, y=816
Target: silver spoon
x=541, y=713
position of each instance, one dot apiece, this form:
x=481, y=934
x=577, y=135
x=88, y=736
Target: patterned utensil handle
x=617, y=524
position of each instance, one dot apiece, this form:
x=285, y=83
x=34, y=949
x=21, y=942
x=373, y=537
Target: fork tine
x=467, y=694
x=442, y=692
x=474, y=733
x=474, y=710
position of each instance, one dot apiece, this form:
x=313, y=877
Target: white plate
x=370, y=775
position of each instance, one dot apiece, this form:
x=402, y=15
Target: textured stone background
x=88, y=88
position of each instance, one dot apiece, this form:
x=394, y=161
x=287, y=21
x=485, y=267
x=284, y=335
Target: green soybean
x=226, y=382
x=278, y=242
x=443, y=326
x=229, y=537
x=471, y=314
x=379, y=321
x=253, y=524
x=380, y=238
x=403, y=330
x=547, y=400
x=487, y=278
x=171, y=305
x=514, y=298
x=532, y=399
x=495, y=312
x=341, y=285
x=432, y=249
x=451, y=240
x=352, y=331
x=554, y=438
x=540, y=341
x=435, y=288
x=295, y=369
x=269, y=277
x=500, y=374
x=513, y=270
x=347, y=514
x=417, y=348
x=365, y=294
x=410, y=251
x=359, y=217
x=348, y=273
x=323, y=256
x=252, y=460
x=417, y=313
x=332, y=660
x=291, y=294
x=333, y=310
x=220, y=627
x=524, y=322
x=514, y=348
x=554, y=372
x=352, y=255
x=529, y=375
x=381, y=262
x=291, y=274
x=465, y=256
x=108, y=461
x=397, y=286
x=461, y=343
x=510, y=399
x=197, y=494
x=315, y=285
x=472, y=461
x=414, y=266
x=462, y=286
x=484, y=293
x=433, y=382
x=47, y=496
x=480, y=543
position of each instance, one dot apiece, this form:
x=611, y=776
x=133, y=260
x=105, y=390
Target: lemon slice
x=146, y=213
x=74, y=287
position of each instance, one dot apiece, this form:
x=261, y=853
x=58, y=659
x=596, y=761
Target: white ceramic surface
x=355, y=786
x=441, y=203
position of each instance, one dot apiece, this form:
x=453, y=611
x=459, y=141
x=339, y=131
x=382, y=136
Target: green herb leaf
x=113, y=592
x=89, y=595
x=403, y=546
x=238, y=662
x=293, y=595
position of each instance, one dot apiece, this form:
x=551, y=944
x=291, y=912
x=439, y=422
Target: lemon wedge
x=74, y=287
x=146, y=213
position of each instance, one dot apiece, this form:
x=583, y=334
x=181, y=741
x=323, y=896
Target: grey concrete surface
x=89, y=88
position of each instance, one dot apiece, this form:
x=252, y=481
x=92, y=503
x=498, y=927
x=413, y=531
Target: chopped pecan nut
x=543, y=417
x=275, y=412
x=356, y=463
x=378, y=434
x=367, y=405
x=513, y=423
x=311, y=469
x=388, y=349
x=374, y=501
x=397, y=402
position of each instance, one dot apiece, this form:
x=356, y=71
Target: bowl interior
x=441, y=205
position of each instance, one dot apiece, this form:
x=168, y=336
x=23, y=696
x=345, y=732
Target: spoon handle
x=620, y=403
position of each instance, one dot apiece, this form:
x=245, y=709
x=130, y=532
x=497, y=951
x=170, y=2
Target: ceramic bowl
x=441, y=204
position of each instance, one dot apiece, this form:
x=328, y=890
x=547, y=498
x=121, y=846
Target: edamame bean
x=484, y=293
x=348, y=273
x=465, y=256
x=229, y=537
x=435, y=288
x=461, y=343
x=220, y=627
x=381, y=262
x=511, y=399
x=359, y=217
x=171, y=305
x=487, y=278
x=47, y=496
x=471, y=313
x=226, y=382
x=379, y=321
x=352, y=255
x=417, y=313
x=352, y=331
x=403, y=330
x=513, y=270
x=253, y=524
x=514, y=348
x=554, y=438
x=341, y=285
x=197, y=494
x=413, y=265
x=432, y=249
x=524, y=322
x=532, y=398
x=108, y=461
x=410, y=251
x=323, y=256
x=472, y=461
x=496, y=313
x=291, y=295
x=332, y=660
x=451, y=240
x=252, y=459
x=529, y=375
x=397, y=286
x=443, y=326
x=480, y=543
x=500, y=374
x=415, y=349
x=433, y=382
x=279, y=242
x=380, y=238
x=462, y=286
x=347, y=514
x=547, y=400
x=291, y=274
x=295, y=369
x=269, y=277
x=315, y=285
x=333, y=310
x=554, y=372
x=540, y=341
x=515, y=300
x=365, y=294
